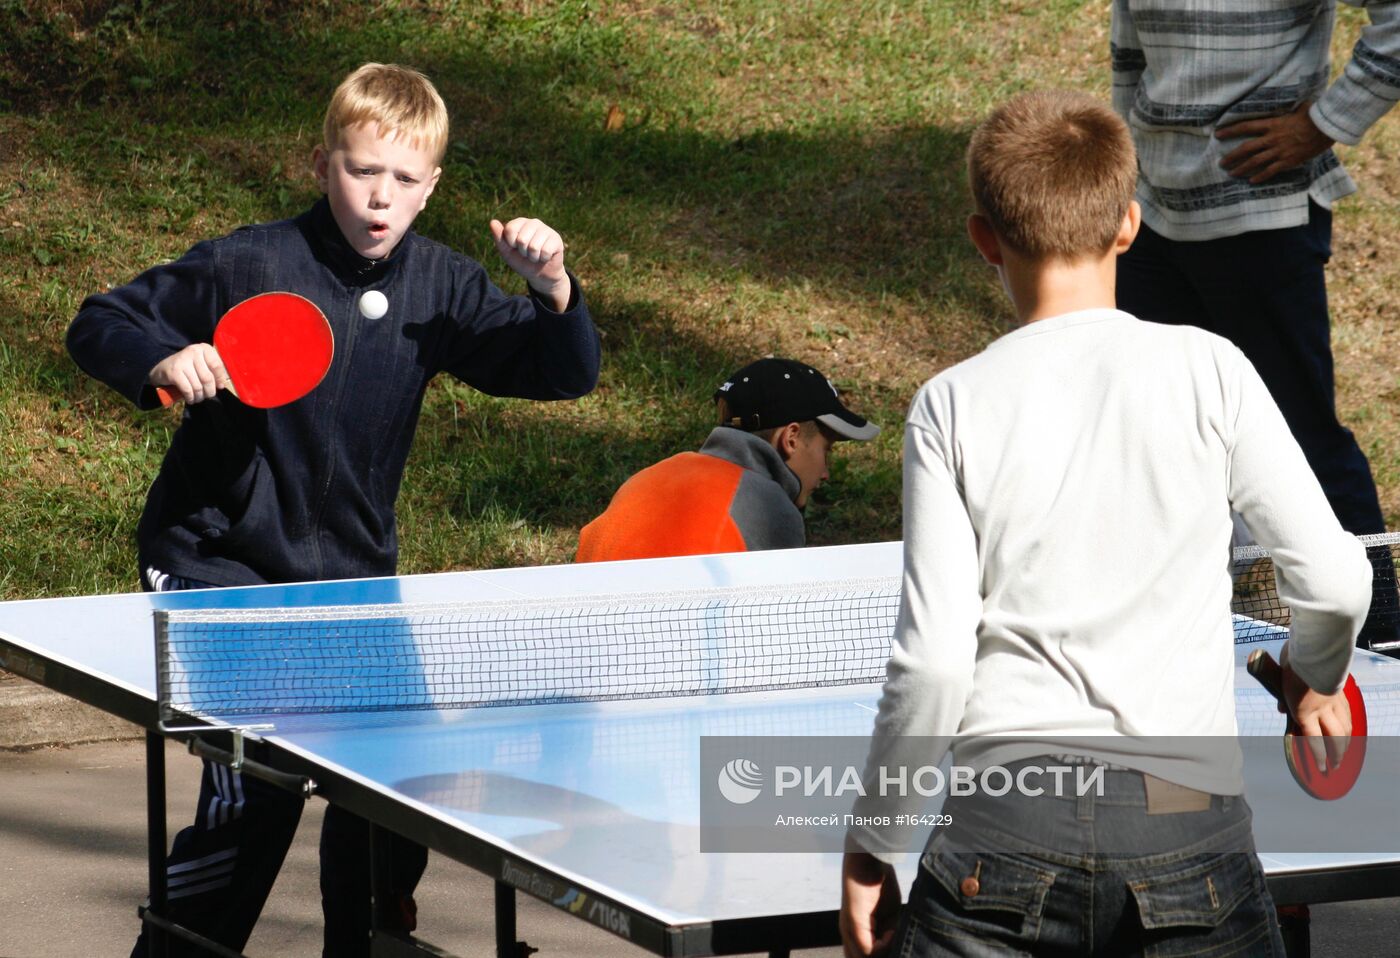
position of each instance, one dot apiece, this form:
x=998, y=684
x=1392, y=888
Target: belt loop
x=1084, y=807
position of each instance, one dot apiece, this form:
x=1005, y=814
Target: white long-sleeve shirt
x=1067, y=500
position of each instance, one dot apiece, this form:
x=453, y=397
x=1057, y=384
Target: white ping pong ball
x=373, y=304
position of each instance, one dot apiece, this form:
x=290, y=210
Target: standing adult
x=1234, y=119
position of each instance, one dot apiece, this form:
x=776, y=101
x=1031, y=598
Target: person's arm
x=929, y=674
x=1370, y=83
x=1322, y=571
x=928, y=678
x=1361, y=95
x=870, y=902
x=123, y=336
x=540, y=346
x=1127, y=57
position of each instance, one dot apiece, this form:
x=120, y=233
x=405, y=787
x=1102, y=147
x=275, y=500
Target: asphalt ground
x=73, y=851
x=73, y=857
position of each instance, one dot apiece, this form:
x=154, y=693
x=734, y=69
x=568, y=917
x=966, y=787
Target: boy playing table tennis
x=306, y=491
x=1067, y=500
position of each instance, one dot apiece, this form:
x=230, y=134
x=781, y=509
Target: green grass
x=787, y=178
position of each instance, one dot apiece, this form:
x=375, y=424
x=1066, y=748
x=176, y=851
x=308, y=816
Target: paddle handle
x=168, y=397
x=1268, y=673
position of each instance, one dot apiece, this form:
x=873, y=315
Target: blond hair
x=401, y=100
x=1054, y=173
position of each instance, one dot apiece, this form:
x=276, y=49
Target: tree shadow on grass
x=866, y=211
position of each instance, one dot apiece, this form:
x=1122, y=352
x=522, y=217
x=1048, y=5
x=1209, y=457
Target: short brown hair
x=401, y=100
x=1054, y=173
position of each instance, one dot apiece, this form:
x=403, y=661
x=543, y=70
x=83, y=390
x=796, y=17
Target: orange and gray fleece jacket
x=734, y=495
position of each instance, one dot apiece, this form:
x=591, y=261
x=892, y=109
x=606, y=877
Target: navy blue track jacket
x=306, y=491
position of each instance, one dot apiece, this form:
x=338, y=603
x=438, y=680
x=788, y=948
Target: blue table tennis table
x=591, y=806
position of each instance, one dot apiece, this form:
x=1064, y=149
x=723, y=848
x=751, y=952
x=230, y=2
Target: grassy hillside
x=786, y=177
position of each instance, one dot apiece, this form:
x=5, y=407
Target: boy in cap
x=747, y=486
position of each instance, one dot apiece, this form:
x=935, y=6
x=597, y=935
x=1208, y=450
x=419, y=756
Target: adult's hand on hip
x=1275, y=144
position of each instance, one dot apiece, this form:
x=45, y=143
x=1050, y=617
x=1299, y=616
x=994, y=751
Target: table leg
x=155, y=841
x=1294, y=922
x=505, y=921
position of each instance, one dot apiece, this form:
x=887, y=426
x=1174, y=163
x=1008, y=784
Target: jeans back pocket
x=1208, y=905
x=996, y=896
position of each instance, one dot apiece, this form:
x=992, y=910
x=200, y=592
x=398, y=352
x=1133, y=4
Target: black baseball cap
x=774, y=392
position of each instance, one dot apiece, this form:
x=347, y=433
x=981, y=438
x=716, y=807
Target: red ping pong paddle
x=276, y=348
x=1339, y=777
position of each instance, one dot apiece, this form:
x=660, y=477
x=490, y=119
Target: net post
x=162, y=635
x=1381, y=633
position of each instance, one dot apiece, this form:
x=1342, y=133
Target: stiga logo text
x=613, y=919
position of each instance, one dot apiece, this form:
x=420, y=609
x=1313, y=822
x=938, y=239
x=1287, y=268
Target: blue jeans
x=1096, y=875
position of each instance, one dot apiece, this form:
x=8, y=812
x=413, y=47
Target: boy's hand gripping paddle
x=1340, y=777
x=276, y=348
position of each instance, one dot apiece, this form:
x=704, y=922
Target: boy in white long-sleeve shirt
x=1067, y=521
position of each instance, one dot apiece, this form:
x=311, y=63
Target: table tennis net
x=445, y=656
x=246, y=662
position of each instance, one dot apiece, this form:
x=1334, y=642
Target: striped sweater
x=1182, y=68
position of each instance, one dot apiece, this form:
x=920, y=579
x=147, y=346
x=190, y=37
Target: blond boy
x=307, y=491
x=1067, y=501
